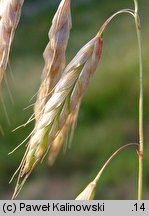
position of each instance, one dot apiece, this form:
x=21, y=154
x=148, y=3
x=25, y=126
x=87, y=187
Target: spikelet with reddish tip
x=10, y=11
x=64, y=100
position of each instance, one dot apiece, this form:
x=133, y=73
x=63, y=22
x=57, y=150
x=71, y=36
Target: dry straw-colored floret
x=60, y=93
x=10, y=11
x=54, y=55
x=64, y=100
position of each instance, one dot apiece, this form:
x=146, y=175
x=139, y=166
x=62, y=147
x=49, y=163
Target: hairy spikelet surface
x=54, y=55
x=60, y=138
x=64, y=100
x=10, y=11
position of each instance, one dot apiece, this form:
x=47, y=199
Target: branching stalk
x=89, y=192
x=134, y=13
x=109, y=160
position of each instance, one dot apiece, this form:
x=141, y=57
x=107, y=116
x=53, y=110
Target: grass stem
x=141, y=136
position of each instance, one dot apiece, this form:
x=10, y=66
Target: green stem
x=109, y=160
x=141, y=145
x=103, y=27
x=138, y=30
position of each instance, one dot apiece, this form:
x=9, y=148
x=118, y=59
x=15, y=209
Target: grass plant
x=62, y=89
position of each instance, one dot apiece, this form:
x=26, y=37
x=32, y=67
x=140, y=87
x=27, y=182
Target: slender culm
x=62, y=89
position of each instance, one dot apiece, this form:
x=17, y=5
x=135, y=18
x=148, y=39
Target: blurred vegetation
x=108, y=116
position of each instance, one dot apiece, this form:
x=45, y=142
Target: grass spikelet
x=10, y=11
x=57, y=143
x=54, y=55
x=64, y=100
x=88, y=193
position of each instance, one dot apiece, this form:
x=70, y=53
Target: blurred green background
x=108, y=116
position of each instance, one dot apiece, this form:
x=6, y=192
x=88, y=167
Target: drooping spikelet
x=10, y=11
x=88, y=193
x=64, y=100
x=54, y=55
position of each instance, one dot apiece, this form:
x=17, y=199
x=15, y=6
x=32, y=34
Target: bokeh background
x=108, y=116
